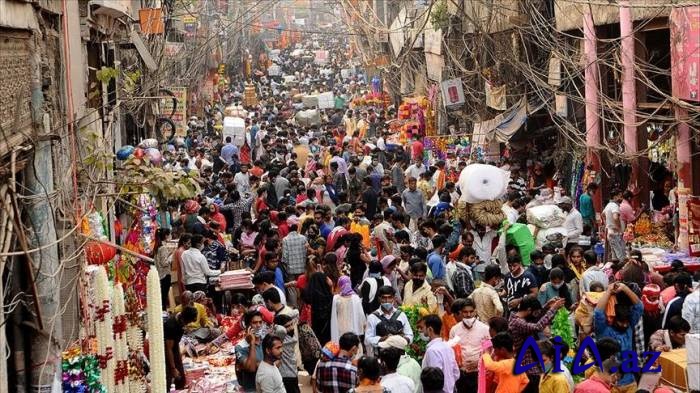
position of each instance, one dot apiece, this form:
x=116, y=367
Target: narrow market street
x=350, y=196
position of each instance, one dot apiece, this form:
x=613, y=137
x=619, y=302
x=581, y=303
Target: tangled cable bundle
x=487, y=213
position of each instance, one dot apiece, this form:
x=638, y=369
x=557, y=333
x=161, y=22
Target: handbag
x=309, y=346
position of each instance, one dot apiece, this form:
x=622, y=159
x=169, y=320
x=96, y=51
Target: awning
x=502, y=127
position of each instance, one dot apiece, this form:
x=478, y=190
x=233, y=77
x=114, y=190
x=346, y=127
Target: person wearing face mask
x=370, y=285
x=471, y=333
x=537, y=268
x=602, y=380
x=523, y=324
x=438, y=353
x=386, y=321
x=249, y=352
x=339, y=374
x=552, y=381
x=555, y=288
x=621, y=327
x=418, y=291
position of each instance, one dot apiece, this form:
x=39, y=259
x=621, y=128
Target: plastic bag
x=519, y=235
x=545, y=216
x=480, y=182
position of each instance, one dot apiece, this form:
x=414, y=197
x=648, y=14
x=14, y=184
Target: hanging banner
x=452, y=92
x=190, y=23
x=180, y=115
x=171, y=49
x=685, y=52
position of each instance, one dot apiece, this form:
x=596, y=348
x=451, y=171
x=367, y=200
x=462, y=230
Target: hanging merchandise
x=80, y=372
x=495, y=96
x=121, y=349
x=103, y=327
x=155, y=332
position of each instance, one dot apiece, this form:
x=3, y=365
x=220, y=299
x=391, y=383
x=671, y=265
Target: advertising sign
x=452, y=92
x=180, y=115
x=685, y=52
x=190, y=23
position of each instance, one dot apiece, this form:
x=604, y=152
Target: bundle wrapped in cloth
x=545, y=216
x=480, y=182
x=236, y=279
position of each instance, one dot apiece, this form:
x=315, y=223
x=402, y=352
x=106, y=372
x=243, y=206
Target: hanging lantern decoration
x=98, y=253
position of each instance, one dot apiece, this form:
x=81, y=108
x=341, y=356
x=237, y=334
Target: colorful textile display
x=121, y=349
x=103, y=328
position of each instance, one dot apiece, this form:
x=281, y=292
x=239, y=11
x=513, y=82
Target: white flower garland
x=156, y=343
x=121, y=349
x=134, y=337
x=103, y=329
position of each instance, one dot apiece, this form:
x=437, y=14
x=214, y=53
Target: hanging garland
x=80, y=373
x=134, y=339
x=121, y=349
x=156, y=343
x=103, y=329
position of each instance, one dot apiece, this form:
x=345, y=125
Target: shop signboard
x=685, y=52
x=190, y=23
x=452, y=92
x=180, y=115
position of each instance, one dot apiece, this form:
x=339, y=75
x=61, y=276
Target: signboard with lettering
x=685, y=52
x=180, y=115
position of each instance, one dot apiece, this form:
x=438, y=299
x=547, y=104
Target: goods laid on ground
x=308, y=118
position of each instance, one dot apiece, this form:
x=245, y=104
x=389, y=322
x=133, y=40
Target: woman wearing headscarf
x=190, y=219
x=347, y=314
x=318, y=294
x=357, y=258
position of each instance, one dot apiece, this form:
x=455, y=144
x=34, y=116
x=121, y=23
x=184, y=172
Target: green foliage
x=141, y=176
x=439, y=15
x=95, y=154
x=106, y=74
x=131, y=79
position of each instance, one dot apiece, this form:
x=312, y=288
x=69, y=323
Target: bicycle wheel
x=165, y=128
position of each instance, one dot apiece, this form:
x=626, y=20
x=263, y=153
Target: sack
x=309, y=347
x=545, y=216
x=388, y=326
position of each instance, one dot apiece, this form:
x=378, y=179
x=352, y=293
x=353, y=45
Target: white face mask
x=469, y=322
x=424, y=337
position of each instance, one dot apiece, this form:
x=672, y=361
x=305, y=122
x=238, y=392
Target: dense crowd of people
x=345, y=234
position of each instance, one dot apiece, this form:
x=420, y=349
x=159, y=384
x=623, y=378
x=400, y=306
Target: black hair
x=457, y=305
x=420, y=267
x=677, y=324
x=390, y=357
x=264, y=277
x=607, y=347
x=492, y=271
x=248, y=316
x=386, y=290
x=240, y=299
x=368, y=367
x=188, y=315
x=432, y=379
x=503, y=340
x=439, y=241
x=271, y=295
x=498, y=324
x=184, y=238
x=466, y=251
x=348, y=340
x=536, y=255
x=434, y=322
x=530, y=302
x=590, y=257
x=468, y=302
x=269, y=341
x=514, y=259
x=556, y=273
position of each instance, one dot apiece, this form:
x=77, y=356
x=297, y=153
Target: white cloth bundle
x=146, y=143
x=548, y=235
x=545, y=216
x=480, y=182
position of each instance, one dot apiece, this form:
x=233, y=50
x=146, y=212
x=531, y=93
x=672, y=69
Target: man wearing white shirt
x=471, y=333
x=195, y=268
x=386, y=312
x=438, y=353
x=242, y=180
x=390, y=355
x=573, y=222
x=415, y=170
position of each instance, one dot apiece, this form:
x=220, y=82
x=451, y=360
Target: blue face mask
x=375, y=275
x=387, y=306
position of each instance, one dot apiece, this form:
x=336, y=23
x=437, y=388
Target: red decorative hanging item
x=99, y=253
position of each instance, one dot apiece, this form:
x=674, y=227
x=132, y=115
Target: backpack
x=388, y=326
x=466, y=284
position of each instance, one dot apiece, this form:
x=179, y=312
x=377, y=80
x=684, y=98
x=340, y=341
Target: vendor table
x=215, y=373
x=689, y=266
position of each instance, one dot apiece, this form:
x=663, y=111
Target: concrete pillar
x=629, y=95
x=592, y=78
